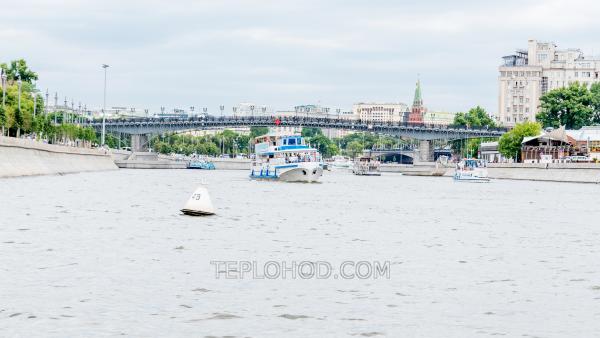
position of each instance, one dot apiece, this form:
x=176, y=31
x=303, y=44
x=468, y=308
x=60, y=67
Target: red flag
x=277, y=121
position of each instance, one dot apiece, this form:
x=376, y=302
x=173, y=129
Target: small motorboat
x=205, y=165
x=471, y=170
x=366, y=166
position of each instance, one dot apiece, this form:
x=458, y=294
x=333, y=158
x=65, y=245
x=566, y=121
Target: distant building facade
x=438, y=117
x=317, y=111
x=528, y=74
x=379, y=112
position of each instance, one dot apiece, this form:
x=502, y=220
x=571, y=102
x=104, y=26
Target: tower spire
x=417, y=111
x=418, y=101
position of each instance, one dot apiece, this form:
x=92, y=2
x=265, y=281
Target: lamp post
x=55, y=104
x=338, y=113
x=264, y=110
x=221, y=107
x=65, y=111
x=234, y=111
x=20, y=83
x=192, y=109
x=3, y=78
x=103, y=138
x=46, y=103
x=252, y=111
x=34, y=102
x=205, y=110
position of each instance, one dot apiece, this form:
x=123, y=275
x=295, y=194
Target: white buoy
x=199, y=204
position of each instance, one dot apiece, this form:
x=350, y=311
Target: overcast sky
x=281, y=53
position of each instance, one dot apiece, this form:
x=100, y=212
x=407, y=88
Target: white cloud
x=284, y=52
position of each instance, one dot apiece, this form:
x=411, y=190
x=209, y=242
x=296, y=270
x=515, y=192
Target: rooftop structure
x=528, y=74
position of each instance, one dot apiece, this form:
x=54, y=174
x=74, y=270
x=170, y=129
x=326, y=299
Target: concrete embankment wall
x=555, y=172
x=21, y=157
x=231, y=163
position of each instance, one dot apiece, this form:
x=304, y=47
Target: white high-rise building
x=528, y=74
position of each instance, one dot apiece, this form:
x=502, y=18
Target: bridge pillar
x=425, y=151
x=139, y=142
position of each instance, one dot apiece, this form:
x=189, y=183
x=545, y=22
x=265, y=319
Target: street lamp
x=205, y=110
x=46, y=103
x=3, y=76
x=192, y=109
x=264, y=110
x=20, y=83
x=34, y=93
x=221, y=107
x=65, y=111
x=103, y=138
x=55, y=104
x=252, y=110
x=234, y=111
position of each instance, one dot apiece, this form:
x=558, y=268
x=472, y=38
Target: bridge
x=407, y=154
x=140, y=128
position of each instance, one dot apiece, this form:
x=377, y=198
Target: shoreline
x=24, y=157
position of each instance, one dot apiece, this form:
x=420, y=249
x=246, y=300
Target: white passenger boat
x=340, y=162
x=285, y=158
x=471, y=170
x=366, y=166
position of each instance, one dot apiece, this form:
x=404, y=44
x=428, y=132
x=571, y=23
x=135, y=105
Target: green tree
x=20, y=67
x=510, y=143
x=568, y=106
x=595, y=93
x=475, y=118
x=19, y=121
x=2, y=118
x=258, y=131
x=310, y=132
x=325, y=146
x=354, y=148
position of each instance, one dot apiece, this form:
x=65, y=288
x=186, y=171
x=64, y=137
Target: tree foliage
x=311, y=132
x=226, y=141
x=510, y=143
x=18, y=67
x=574, y=106
x=475, y=118
x=258, y=131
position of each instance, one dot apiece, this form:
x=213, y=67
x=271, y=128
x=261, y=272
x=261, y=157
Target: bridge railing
x=289, y=120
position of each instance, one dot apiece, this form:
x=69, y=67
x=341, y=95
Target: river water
x=109, y=254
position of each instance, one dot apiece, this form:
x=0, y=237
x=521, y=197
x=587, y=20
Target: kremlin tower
x=417, y=111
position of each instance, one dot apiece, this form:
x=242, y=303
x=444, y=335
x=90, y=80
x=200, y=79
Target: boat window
x=292, y=141
x=299, y=140
x=284, y=141
x=271, y=156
